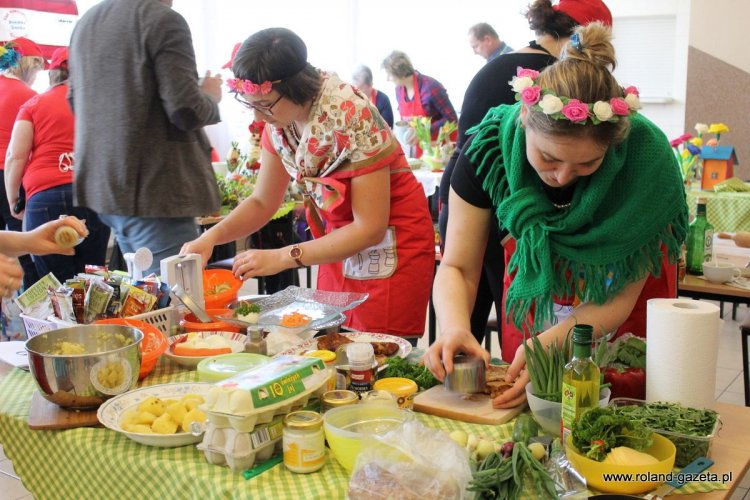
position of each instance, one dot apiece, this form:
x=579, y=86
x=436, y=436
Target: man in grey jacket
x=142, y=158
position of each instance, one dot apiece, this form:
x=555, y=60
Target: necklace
x=562, y=206
x=295, y=132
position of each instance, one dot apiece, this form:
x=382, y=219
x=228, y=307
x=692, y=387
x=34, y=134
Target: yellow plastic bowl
x=347, y=426
x=663, y=450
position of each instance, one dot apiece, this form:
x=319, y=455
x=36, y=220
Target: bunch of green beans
x=546, y=366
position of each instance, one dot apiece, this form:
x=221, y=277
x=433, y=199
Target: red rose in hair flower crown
x=248, y=87
x=565, y=108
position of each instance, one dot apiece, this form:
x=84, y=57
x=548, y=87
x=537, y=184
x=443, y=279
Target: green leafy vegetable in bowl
x=599, y=430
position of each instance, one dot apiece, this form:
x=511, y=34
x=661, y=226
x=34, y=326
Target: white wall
x=340, y=34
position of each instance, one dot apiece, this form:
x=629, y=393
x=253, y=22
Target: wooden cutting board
x=44, y=415
x=474, y=408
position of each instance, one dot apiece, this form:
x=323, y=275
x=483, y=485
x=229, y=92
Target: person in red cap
x=40, y=155
x=552, y=25
x=20, y=62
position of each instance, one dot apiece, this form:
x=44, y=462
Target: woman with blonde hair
x=20, y=62
x=588, y=198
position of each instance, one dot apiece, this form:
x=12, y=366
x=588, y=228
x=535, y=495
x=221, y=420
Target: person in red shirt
x=40, y=154
x=20, y=62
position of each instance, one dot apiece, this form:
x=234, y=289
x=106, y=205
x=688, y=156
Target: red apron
x=398, y=282
x=665, y=286
x=411, y=109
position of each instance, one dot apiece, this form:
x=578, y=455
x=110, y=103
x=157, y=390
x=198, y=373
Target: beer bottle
x=700, y=240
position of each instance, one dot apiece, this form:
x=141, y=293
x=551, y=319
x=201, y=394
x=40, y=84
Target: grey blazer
x=140, y=149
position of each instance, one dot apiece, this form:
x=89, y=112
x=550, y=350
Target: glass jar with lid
x=304, y=442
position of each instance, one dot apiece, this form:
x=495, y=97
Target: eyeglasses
x=266, y=110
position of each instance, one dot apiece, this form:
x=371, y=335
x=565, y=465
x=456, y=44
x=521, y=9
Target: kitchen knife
x=695, y=467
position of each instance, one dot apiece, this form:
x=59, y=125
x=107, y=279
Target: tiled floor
x=728, y=390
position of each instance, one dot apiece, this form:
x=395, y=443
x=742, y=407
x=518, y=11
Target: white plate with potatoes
x=157, y=415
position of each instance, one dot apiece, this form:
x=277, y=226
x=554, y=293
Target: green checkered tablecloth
x=726, y=211
x=97, y=463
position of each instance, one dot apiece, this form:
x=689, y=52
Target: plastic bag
x=412, y=462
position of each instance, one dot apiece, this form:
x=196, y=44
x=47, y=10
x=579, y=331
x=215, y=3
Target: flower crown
x=565, y=108
x=248, y=87
x=9, y=56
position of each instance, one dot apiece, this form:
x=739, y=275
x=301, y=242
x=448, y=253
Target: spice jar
x=254, y=342
x=303, y=442
x=335, y=399
x=361, y=366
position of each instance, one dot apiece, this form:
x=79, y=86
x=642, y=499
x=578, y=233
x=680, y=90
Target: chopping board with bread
x=450, y=401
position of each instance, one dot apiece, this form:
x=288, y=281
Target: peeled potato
x=66, y=237
x=194, y=415
x=152, y=405
x=192, y=401
x=144, y=417
x=177, y=411
x=164, y=425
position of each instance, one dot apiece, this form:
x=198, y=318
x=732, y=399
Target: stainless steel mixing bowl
x=108, y=365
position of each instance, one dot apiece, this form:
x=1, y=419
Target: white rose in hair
x=521, y=83
x=603, y=111
x=550, y=104
x=633, y=101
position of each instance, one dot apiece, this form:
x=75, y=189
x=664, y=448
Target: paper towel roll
x=681, y=351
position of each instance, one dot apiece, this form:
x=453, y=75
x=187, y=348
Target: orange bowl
x=219, y=279
x=152, y=347
x=191, y=324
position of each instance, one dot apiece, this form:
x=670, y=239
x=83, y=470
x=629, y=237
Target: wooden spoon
x=741, y=238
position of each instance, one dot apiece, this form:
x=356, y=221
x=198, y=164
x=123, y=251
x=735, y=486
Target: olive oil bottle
x=580, y=386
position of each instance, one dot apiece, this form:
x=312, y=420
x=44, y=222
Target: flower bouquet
x=435, y=153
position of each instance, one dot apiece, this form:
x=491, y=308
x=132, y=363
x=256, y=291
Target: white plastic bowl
x=548, y=413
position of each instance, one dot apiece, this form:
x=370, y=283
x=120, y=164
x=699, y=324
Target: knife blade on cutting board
x=695, y=467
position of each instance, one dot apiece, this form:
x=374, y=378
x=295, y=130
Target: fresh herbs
x=398, y=367
x=244, y=308
x=674, y=418
x=502, y=476
x=546, y=366
x=601, y=429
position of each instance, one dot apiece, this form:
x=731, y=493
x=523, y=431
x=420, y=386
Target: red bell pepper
x=627, y=383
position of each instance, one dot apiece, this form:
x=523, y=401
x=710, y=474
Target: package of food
x=115, y=303
x=97, y=299
x=410, y=462
x=241, y=450
x=137, y=301
x=78, y=296
x=35, y=301
x=62, y=303
x=257, y=395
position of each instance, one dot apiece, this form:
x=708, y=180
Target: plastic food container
x=328, y=357
x=548, y=413
x=688, y=447
x=215, y=279
x=256, y=396
x=191, y=324
x=402, y=389
x=241, y=450
x=152, y=347
x=223, y=366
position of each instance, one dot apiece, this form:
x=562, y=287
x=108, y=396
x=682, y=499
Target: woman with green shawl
x=589, y=198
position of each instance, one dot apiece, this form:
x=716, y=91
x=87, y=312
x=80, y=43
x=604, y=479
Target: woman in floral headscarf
x=367, y=212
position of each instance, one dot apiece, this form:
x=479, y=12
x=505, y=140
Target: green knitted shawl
x=611, y=235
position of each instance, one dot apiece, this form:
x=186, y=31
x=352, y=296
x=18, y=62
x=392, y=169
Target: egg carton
x=316, y=386
x=241, y=450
